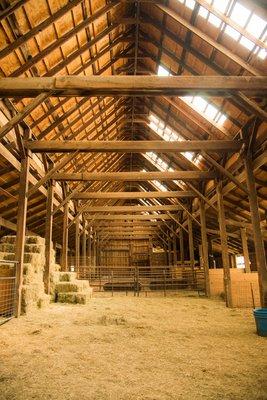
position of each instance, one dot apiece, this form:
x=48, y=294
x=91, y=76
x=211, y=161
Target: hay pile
x=33, y=294
x=68, y=289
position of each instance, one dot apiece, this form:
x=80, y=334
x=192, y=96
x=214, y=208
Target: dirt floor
x=122, y=348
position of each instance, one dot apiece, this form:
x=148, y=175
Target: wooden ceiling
x=53, y=38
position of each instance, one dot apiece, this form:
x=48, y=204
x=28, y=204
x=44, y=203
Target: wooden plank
x=129, y=217
x=138, y=208
x=134, y=176
x=21, y=40
x=21, y=229
x=133, y=195
x=224, y=247
x=12, y=8
x=191, y=243
x=132, y=85
x=50, y=173
x=21, y=115
x=224, y=171
x=228, y=53
x=130, y=146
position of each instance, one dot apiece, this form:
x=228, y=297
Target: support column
x=65, y=238
x=21, y=229
x=84, y=246
x=191, y=244
x=181, y=239
x=77, y=244
x=224, y=247
x=204, y=240
x=48, y=235
x=89, y=247
x=245, y=249
x=169, y=252
x=258, y=241
x=174, y=247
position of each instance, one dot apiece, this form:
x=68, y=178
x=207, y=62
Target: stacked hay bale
x=67, y=288
x=33, y=294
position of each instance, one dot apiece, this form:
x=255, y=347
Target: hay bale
x=7, y=270
x=66, y=287
x=75, y=298
x=66, y=298
x=43, y=301
x=28, y=239
x=7, y=247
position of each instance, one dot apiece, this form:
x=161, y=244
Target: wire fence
x=7, y=290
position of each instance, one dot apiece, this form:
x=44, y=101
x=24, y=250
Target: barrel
x=260, y=315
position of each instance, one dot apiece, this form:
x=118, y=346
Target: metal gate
x=142, y=278
x=7, y=290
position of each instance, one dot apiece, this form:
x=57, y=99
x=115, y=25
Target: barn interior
x=133, y=198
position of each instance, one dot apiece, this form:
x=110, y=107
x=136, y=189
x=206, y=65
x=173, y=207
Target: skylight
x=240, y=15
x=198, y=103
x=168, y=134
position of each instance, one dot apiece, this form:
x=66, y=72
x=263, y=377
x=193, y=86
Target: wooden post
x=84, y=246
x=89, y=247
x=48, y=236
x=174, y=247
x=21, y=229
x=77, y=245
x=65, y=238
x=181, y=239
x=191, y=244
x=169, y=252
x=224, y=247
x=150, y=252
x=258, y=241
x=205, y=254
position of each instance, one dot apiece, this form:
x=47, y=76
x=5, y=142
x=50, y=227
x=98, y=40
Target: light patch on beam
x=241, y=15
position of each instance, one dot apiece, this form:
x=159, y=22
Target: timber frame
x=79, y=153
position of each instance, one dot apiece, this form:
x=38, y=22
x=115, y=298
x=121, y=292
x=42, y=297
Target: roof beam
x=132, y=195
x=132, y=85
x=127, y=146
x=137, y=208
x=123, y=217
x=135, y=176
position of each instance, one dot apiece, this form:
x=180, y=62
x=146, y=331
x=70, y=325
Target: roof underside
x=86, y=37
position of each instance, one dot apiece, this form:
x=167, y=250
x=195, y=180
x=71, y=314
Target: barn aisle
x=178, y=347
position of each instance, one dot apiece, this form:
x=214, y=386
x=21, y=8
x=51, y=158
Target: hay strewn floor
x=134, y=348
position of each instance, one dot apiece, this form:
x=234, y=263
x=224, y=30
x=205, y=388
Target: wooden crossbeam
x=132, y=195
x=128, y=217
x=132, y=85
x=129, y=146
x=134, y=176
x=113, y=209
